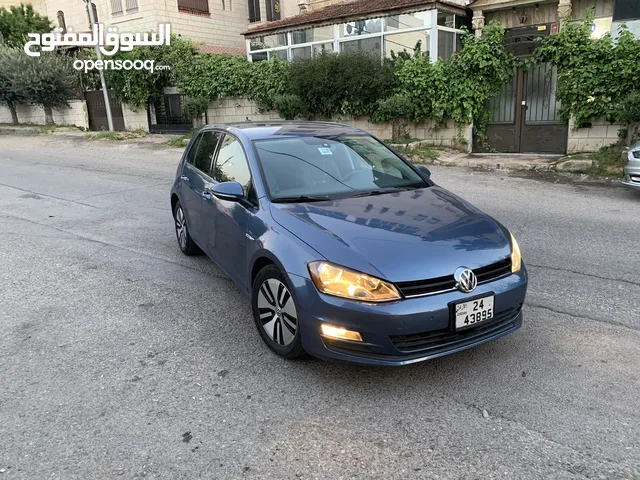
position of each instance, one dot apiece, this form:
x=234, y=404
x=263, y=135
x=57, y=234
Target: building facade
x=524, y=116
x=379, y=27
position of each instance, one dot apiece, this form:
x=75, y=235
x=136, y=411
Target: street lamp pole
x=107, y=103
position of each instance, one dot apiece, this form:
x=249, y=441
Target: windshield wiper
x=300, y=198
x=382, y=191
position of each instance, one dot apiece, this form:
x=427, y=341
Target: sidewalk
x=507, y=161
x=417, y=152
x=74, y=132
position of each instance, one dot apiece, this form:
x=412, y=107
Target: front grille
x=491, y=272
x=443, y=284
x=440, y=338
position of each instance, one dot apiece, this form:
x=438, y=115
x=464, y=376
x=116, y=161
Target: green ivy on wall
x=597, y=78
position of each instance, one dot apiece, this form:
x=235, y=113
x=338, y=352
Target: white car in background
x=632, y=168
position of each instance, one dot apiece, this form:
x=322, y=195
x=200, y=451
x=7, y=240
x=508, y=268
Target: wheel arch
x=260, y=260
x=174, y=200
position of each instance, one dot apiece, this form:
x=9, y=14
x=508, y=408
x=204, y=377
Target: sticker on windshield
x=325, y=151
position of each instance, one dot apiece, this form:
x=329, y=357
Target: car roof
x=280, y=129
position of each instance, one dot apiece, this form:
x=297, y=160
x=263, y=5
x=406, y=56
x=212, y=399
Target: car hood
x=401, y=236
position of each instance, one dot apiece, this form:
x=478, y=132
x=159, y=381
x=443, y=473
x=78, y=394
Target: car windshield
x=317, y=168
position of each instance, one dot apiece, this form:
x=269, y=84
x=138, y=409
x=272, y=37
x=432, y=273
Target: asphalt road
x=120, y=357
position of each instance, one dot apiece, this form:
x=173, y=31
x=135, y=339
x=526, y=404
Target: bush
x=267, y=82
x=457, y=88
x=289, y=106
x=396, y=109
x=215, y=76
x=346, y=83
x=195, y=107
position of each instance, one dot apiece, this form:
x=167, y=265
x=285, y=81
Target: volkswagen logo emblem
x=466, y=280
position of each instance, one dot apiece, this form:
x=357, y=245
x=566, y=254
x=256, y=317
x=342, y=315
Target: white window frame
x=337, y=40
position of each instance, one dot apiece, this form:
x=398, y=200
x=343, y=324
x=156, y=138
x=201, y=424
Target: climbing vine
x=597, y=78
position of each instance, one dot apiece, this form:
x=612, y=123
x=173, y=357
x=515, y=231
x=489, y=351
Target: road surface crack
x=558, y=269
x=582, y=317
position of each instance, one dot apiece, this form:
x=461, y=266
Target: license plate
x=469, y=314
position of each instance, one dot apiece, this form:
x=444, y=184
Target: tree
x=48, y=80
x=17, y=22
x=12, y=92
x=137, y=86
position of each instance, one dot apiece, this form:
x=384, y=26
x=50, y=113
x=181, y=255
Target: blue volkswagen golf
x=347, y=251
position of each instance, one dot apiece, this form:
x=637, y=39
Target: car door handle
x=184, y=178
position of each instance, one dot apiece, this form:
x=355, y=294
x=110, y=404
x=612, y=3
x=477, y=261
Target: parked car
x=348, y=251
x=632, y=168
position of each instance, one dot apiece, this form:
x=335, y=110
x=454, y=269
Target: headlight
x=516, y=259
x=342, y=282
x=635, y=153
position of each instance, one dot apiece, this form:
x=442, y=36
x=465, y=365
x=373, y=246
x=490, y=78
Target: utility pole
x=107, y=104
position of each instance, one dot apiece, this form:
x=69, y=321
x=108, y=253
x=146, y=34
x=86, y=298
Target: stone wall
x=240, y=110
x=135, y=119
x=75, y=115
x=601, y=133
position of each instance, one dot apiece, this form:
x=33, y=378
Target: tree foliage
x=12, y=92
x=19, y=21
x=138, y=87
x=49, y=81
x=457, y=88
x=595, y=76
x=346, y=83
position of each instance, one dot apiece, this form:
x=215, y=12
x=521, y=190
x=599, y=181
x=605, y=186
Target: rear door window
x=205, y=150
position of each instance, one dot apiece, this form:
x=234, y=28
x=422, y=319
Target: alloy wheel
x=181, y=228
x=277, y=312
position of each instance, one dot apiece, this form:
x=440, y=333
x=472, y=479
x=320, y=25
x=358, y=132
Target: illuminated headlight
x=342, y=282
x=516, y=259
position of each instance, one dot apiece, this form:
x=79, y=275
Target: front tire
x=275, y=313
x=186, y=244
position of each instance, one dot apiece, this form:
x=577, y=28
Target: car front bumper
x=632, y=174
x=406, y=331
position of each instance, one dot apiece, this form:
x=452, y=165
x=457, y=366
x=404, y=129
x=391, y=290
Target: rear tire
x=185, y=242
x=275, y=313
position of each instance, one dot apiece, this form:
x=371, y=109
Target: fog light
x=635, y=179
x=339, y=333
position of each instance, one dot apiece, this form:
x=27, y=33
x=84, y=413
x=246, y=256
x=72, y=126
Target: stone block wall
x=601, y=133
x=75, y=115
x=240, y=110
x=135, y=119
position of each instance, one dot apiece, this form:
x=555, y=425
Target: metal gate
x=167, y=115
x=97, y=111
x=524, y=115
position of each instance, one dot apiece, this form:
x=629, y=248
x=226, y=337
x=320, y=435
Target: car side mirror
x=425, y=171
x=228, y=191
